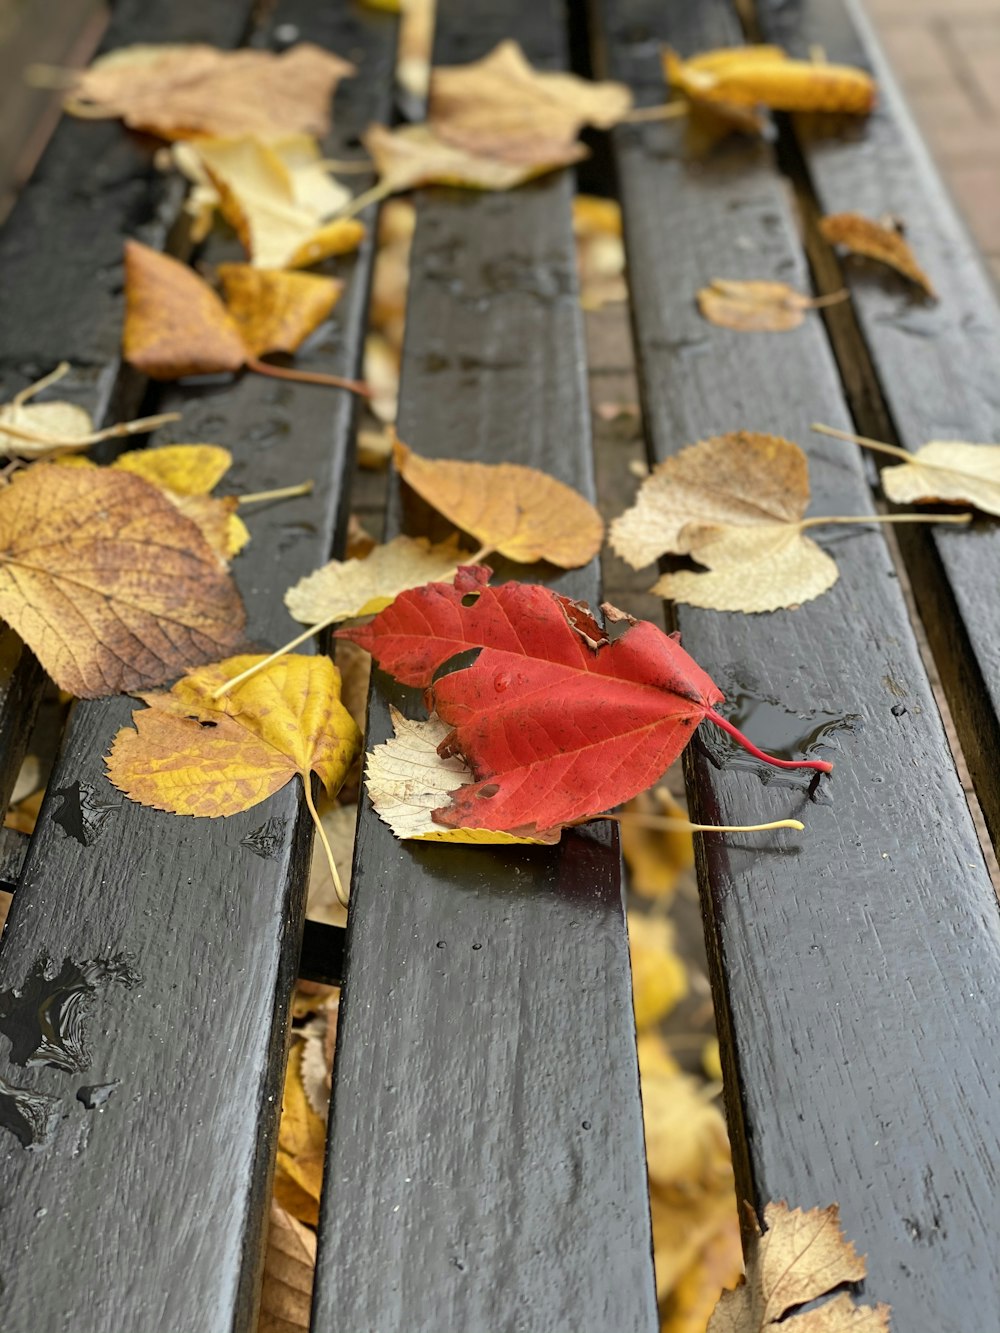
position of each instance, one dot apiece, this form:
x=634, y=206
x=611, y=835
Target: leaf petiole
x=663, y=111
x=818, y=765
x=671, y=824
x=885, y=518
x=307, y=785
x=282, y=493
x=359, y=387
x=879, y=445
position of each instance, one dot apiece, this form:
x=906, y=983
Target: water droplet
x=97, y=1094
x=41, y=1212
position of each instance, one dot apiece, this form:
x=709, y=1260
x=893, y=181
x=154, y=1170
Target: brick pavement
x=946, y=54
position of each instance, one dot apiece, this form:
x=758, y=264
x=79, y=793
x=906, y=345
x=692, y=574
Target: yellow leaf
x=181, y=92
x=114, y=589
x=773, y=307
x=273, y=310
x=301, y=1145
x=659, y=977
x=517, y=511
x=734, y=503
x=766, y=76
x=863, y=236
x=711, y=1060
x=655, y=857
x=185, y=469
x=406, y=779
x=289, y=1265
x=194, y=755
x=600, y=251
x=414, y=155
x=346, y=588
x=217, y=520
x=500, y=107
x=718, y=1265
x=802, y=1256
x=687, y=1148
x=382, y=377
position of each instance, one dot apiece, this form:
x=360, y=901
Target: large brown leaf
x=111, y=587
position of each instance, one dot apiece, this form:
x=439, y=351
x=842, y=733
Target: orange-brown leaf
x=275, y=311
x=765, y=76
x=289, y=1264
x=874, y=240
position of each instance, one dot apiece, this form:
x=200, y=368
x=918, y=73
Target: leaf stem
x=68, y=444
x=832, y=298
x=307, y=377
x=272, y=657
x=282, y=493
x=307, y=784
x=818, y=765
x=479, y=556
x=885, y=518
x=360, y=202
x=664, y=111
x=672, y=824
x=53, y=377
x=879, y=445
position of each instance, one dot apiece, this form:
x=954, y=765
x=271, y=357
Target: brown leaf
x=276, y=311
x=518, y=511
x=773, y=307
x=802, y=1255
x=180, y=92
x=414, y=155
x=289, y=1265
x=864, y=236
x=499, y=107
x=113, y=589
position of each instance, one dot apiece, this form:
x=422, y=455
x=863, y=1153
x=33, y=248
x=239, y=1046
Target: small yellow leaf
x=346, y=588
x=500, y=107
x=406, y=779
x=659, y=977
x=864, y=236
x=517, y=511
x=765, y=76
x=185, y=469
x=273, y=310
x=772, y=307
x=194, y=755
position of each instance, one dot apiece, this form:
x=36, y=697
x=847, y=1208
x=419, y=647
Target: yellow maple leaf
x=517, y=511
x=656, y=857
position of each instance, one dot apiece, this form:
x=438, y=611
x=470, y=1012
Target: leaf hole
x=470, y=599
x=489, y=790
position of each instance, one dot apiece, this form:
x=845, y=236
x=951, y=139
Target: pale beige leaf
x=64, y=422
x=414, y=155
x=743, y=478
x=289, y=1265
x=840, y=1315
x=346, y=588
x=771, y=307
x=948, y=470
x=874, y=240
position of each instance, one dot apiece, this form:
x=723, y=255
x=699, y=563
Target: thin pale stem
x=308, y=377
x=832, y=298
x=341, y=895
x=69, y=444
x=40, y=75
x=878, y=445
x=667, y=111
x=360, y=202
x=886, y=518
x=53, y=377
x=273, y=657
x=477, y=557
x=671, y=824
x=282, y=493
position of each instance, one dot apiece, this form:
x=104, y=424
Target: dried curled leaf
x=346, y=588
x=500, y=107
x=751, y=76
x=518, y=511
x=273, y=310
x=196, y=755
x=771, y=307
x=113, y=589
x=298, y=1179
x=414, y=155
x=182, y=91
x=948, y=470
x=407, y=779
x=802, y=1256
x=733, y=503
x=874, y=240
x=289, y=1265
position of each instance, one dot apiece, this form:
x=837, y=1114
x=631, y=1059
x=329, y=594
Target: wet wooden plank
x=485, y=1165
x=853, y=963
x=145, y=1209
x=917, y=371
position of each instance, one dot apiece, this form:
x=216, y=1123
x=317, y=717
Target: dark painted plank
x=935, y=365
x=485, y=1164
x=146, y=1212
x=854, y=964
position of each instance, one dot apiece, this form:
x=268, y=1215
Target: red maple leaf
x=557, y=721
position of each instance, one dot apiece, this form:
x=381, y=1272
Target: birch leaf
x=343, y=589
x=874, y=240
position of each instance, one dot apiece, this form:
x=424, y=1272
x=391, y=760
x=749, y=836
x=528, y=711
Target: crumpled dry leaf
x=276, y=195
x=175, y=325
x=771, y=307
x=407, y=779
x=346, y=588
x=802, y=1256
x=195, y=755
x=499, y=107
x=517, y=511
x=751, y=76
x=733, y=503
x=659, y=977
x=289, y=1265
x=182, y=91
x=655, y=857
x=298, y=1180
x=600, y=251
x=413, y=155
x=112, y=588
x=874, y=240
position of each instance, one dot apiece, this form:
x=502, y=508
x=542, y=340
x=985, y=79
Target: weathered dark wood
x=932, y=365
x=322, y=955
x=485, y=1163
x=854, y=963
x=189, y=929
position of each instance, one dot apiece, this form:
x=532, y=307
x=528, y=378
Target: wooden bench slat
x=926, y=371
x=155, y=1201
x=853, y=963
x=485, y=1164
